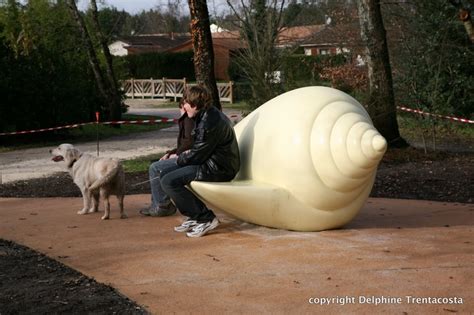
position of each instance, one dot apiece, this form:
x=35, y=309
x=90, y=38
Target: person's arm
x=203, y=146
x=186, y=142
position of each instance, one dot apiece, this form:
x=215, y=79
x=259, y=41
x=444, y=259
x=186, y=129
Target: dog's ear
x=72, y=155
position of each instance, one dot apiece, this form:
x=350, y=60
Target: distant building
x=321, y=39
x=291, y=36
x=333, y=40
x=147, y=43
x=224, y=43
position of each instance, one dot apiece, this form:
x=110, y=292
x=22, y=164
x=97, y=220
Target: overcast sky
x=136, y=6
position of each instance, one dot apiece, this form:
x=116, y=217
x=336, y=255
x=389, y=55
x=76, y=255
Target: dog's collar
x=73, y=162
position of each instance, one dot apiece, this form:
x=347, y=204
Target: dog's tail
x=108, y=177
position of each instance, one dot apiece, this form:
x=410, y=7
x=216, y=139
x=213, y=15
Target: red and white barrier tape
x=166, y=120
x=44, y=129
x=417, y=111
x=139, y=122
x=118, y=122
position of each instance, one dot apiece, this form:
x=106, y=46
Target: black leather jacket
x=215, y=147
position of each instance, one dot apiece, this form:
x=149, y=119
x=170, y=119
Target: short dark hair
x=198, y=96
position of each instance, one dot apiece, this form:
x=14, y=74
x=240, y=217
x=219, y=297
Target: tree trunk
x=116, y=106
x=381, y=104
x=102, y=85
x=464, y=17
x=203, y=49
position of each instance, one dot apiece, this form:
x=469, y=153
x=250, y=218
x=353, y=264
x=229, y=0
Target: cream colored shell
x=308, y=162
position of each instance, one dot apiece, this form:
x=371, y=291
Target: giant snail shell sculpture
x=308, y=162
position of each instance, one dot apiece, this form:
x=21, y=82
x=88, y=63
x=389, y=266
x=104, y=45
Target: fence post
x=175, y=89
x=152, y=85
x=164, y=88
x=226, y=90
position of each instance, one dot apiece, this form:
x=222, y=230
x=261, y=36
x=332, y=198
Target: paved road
x=36, y=162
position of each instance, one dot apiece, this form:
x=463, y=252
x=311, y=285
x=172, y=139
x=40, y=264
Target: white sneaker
x=202, y=228
x=187, y=225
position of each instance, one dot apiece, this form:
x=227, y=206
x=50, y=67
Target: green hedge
x=242, y=91
x=301, y=67
x=157, y=65
x=44, y=89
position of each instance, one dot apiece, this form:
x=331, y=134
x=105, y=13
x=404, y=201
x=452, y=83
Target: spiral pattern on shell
x=308, y=162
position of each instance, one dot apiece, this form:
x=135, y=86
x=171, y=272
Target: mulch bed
x=33, y=283
x=403, y=173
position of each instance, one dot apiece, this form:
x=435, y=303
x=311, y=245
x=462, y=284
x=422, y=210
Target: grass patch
x=89, y=132
x=241, y=105
x=435, y=132
x=140, y=164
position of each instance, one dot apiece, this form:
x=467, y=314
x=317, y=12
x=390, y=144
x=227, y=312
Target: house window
x=324, y=51
x=344, y=50
x=308, y=52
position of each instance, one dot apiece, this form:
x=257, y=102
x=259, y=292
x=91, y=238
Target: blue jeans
x=155, y=171
x=174, y=181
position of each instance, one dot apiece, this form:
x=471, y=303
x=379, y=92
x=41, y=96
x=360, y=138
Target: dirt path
x=36, y=162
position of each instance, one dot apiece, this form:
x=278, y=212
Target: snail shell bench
x=308, y=162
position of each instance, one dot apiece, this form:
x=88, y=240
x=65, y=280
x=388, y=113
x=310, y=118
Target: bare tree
x=203, y=48
x=260, y=23
x=105, y=88
x=171, y=17
x=381, y=103
x=113, y=89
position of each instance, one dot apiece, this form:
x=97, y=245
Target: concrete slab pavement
x=391, y=250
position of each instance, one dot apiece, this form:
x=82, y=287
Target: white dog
x=96, y=177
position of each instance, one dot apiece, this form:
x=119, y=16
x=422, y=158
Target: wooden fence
x=168, y=88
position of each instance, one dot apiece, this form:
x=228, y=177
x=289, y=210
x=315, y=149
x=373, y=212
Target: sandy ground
x=36, y=162
x=393, y=249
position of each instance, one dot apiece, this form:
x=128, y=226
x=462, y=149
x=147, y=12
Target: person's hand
x=172, y=156
x=165, y=157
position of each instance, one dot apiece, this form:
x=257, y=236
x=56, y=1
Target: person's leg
x=155, y=171
x=161, y=205
x=174, y=184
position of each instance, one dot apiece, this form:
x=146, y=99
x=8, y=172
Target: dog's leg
x=95, y=202
x=86, y=199
x=122, y=211
x=105, y=197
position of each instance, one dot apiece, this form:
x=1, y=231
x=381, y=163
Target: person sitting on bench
x=214, y=157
